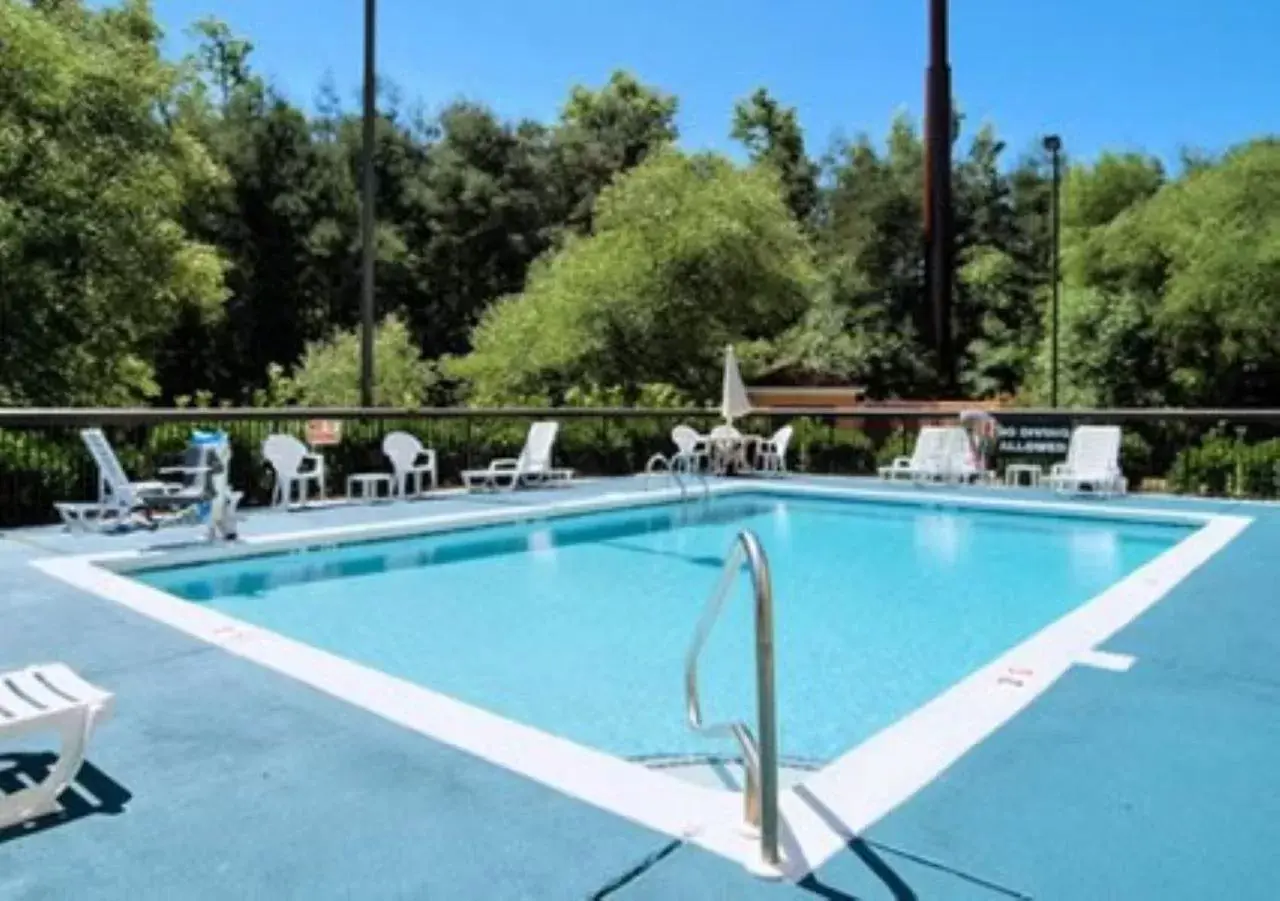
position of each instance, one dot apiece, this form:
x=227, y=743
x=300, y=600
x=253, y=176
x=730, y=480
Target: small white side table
x=369, y=484
x=1014, y=472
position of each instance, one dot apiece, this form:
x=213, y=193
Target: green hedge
x=1222, y=465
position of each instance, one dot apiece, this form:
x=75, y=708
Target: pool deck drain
x=1089, y=793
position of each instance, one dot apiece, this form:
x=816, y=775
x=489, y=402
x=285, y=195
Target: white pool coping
x=856, y=789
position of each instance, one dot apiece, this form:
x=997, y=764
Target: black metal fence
x=42, y=459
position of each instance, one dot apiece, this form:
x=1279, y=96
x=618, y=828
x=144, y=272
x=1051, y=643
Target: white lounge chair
x=48, y=698
x=119, y=499
x=410, y=462
x=533, y=466
x=771, y=453
x=1093, y=463
x=117, y=496
x=927, y=462
x=295, y=466
x=962, y=464
x=693, y=453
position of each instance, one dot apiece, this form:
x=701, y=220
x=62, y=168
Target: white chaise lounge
x=928, y=460
x=532, y=467
x=119, y=498
x=48, y=698
x=1092, y=465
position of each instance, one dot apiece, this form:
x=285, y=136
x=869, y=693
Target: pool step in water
x=711, y=771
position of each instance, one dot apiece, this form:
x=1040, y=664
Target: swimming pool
x=578, y=626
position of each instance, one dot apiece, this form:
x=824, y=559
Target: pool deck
x=219, y=778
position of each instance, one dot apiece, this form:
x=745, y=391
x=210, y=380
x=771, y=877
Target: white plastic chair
x=1093, y=463
x=771, y=453
x=693, y=454
x=287, y=457
x=48, y=698
x=927, y=461
x=728, y=449
x=533, y=466
x=410, y=462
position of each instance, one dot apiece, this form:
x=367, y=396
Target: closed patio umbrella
x=734, y=403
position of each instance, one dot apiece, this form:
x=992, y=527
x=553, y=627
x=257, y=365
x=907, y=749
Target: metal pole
x=367, y=221
x=938, y=214
x=1053, y=144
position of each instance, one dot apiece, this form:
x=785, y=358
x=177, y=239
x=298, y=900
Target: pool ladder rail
x=759, y=749
x=676, y=467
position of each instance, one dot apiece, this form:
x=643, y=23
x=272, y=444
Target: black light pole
x=937, y=179
x=1053, y=144
x=366, y=209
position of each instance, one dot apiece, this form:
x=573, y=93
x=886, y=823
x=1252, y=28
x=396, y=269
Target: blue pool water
x=579, y=625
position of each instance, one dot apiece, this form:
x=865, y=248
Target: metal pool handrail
x=760, y=757
x=674, y=467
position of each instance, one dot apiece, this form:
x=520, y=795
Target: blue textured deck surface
x=221, y=779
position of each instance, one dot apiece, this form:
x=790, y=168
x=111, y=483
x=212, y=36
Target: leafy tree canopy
x=95, y=264
x=689, y=253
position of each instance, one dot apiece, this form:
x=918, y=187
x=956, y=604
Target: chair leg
x=42, y=799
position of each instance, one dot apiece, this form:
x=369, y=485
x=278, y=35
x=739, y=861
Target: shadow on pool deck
x=92, y=792
x=231, y=781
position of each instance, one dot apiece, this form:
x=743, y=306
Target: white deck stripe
x=858, y=788
x=1116, y=663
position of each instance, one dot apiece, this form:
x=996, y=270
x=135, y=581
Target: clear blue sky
x=1119, y=74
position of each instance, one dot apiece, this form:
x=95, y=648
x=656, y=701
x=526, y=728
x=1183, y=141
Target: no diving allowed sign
x=1034, y=439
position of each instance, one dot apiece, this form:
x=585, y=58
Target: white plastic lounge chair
x=1093, y=463
x=117, y=496
x=295, y=466
x=771, y=453
x=533, y=466
x=48, y=698
x=927, y=461
x=410, y=462
x=962, y=464
x=693, y=453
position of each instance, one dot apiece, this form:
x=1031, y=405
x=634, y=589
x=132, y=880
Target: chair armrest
x=900, y=463
x=1058, y=469
x=183, y=470
x=316, y=461
x=504, y=463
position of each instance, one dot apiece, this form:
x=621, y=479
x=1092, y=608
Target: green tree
x=95, y=264
x=285, y=219
x=1096, y=194
x=483, y=205
x=689, y=253
x=604, y=133
x=222, y=58
x=772, y=135
x=328, y=374
x=1173, y=298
